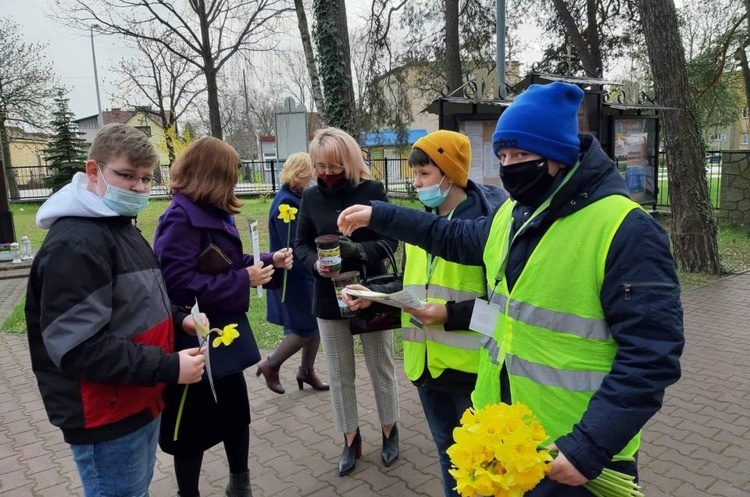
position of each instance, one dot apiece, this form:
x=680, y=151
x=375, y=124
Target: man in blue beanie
x=584, y=320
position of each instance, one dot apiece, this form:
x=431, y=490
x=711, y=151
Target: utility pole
x=100, y=118
x=500, y=28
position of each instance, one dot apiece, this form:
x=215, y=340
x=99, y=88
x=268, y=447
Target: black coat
x=318, y=215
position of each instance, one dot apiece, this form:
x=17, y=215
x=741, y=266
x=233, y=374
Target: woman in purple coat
x=201, y=215
x=295, y=313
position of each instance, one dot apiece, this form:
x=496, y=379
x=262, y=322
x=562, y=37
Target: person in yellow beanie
x=441, y=355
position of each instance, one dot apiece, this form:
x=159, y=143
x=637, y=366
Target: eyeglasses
x=328, y=168
x=147, y=181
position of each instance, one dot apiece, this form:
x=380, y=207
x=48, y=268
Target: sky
x=69, y=50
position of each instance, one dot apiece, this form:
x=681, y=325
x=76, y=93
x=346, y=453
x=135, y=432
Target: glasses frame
x=328, y=168
x=146, y=181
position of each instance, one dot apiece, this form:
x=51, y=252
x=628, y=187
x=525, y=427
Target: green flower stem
x=288, y=234
x=179, y=412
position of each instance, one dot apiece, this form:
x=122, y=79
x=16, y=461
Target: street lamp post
x=100, y=118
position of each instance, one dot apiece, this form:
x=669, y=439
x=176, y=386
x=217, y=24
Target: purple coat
x=184, y=230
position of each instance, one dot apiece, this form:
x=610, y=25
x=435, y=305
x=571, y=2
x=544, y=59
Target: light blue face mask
x=124, y=202
x=431, y=196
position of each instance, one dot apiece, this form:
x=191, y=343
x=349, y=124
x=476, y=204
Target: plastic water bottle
x=15, y=250
x=26, y=248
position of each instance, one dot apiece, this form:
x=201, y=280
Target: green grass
x=266, y=334
x=734, y=245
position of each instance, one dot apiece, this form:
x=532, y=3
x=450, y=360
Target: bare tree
x=210, y=31
x=694, y=228
x=27, y=87
x=312, y=67
x=166, y=81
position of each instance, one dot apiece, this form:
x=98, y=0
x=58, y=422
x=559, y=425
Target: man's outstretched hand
x=354, y=217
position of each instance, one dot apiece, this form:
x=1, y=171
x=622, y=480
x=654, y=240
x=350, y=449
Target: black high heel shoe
x=390, y=447
x=350, y=455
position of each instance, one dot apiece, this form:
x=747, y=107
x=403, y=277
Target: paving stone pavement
x=698, y=445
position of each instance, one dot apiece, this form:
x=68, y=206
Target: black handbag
x=378, y=317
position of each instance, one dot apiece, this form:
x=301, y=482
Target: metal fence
x=256, y=177
x=262, y=177
x=713, y=164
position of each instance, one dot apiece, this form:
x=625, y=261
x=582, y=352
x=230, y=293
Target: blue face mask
x=431, y=196
x=124, y=202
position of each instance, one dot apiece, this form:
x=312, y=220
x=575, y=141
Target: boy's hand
x=191, y=365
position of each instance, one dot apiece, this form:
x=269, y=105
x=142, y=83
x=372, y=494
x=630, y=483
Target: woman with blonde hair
x=294, y=313
x=344, y=180
x=203, y=261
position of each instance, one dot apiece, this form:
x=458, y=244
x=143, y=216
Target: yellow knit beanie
x=450, y=151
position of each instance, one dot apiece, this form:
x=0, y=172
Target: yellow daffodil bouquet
x=287, y=214
x=224, y=336
x=498, y=451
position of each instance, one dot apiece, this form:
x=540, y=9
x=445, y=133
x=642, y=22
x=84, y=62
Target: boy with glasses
x=100, y=325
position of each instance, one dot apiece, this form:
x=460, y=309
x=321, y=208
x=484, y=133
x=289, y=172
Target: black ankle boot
x=390, y=447
x=350, y=455
x=239, y=485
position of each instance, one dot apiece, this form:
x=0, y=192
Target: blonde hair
x=206, y=172
x=119, y=140
x=296, y=166
x=335, y=146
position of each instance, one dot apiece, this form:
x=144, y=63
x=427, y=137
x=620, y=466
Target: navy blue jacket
x=640, y=296
x=296, y=311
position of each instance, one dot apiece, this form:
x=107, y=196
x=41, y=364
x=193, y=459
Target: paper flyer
x=252, y=225
x=402, y=299
x=203, y=333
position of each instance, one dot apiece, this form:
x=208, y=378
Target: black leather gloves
x=351, y=250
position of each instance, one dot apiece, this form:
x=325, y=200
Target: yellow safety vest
x=552, y=334
x=441, y=350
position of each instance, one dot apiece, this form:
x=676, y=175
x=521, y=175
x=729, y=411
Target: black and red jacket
x=100, y=328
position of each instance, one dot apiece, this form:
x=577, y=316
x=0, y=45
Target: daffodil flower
x=287, y=213
x=498, y=452
x=225, y=336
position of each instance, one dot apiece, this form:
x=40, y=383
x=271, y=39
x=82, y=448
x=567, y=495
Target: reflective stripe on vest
x=551, y=332
x=432, y=347
x=562, y=322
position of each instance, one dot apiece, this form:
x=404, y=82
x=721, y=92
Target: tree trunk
x=312, y=68
x=694, y=228
x=745, y=72
x=453, y=71
x=209, y=69
x=589, y=61
x=331, y=36
x=743, y=57
x=10, y=177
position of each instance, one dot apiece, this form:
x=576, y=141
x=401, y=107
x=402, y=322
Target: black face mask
x=527, y=182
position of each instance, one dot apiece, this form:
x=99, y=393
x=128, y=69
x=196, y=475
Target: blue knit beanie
x=543, y=120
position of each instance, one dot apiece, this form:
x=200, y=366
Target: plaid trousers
x=338, y=349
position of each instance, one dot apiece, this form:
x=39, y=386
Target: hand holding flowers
x=224, y=336
x=498, y=451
